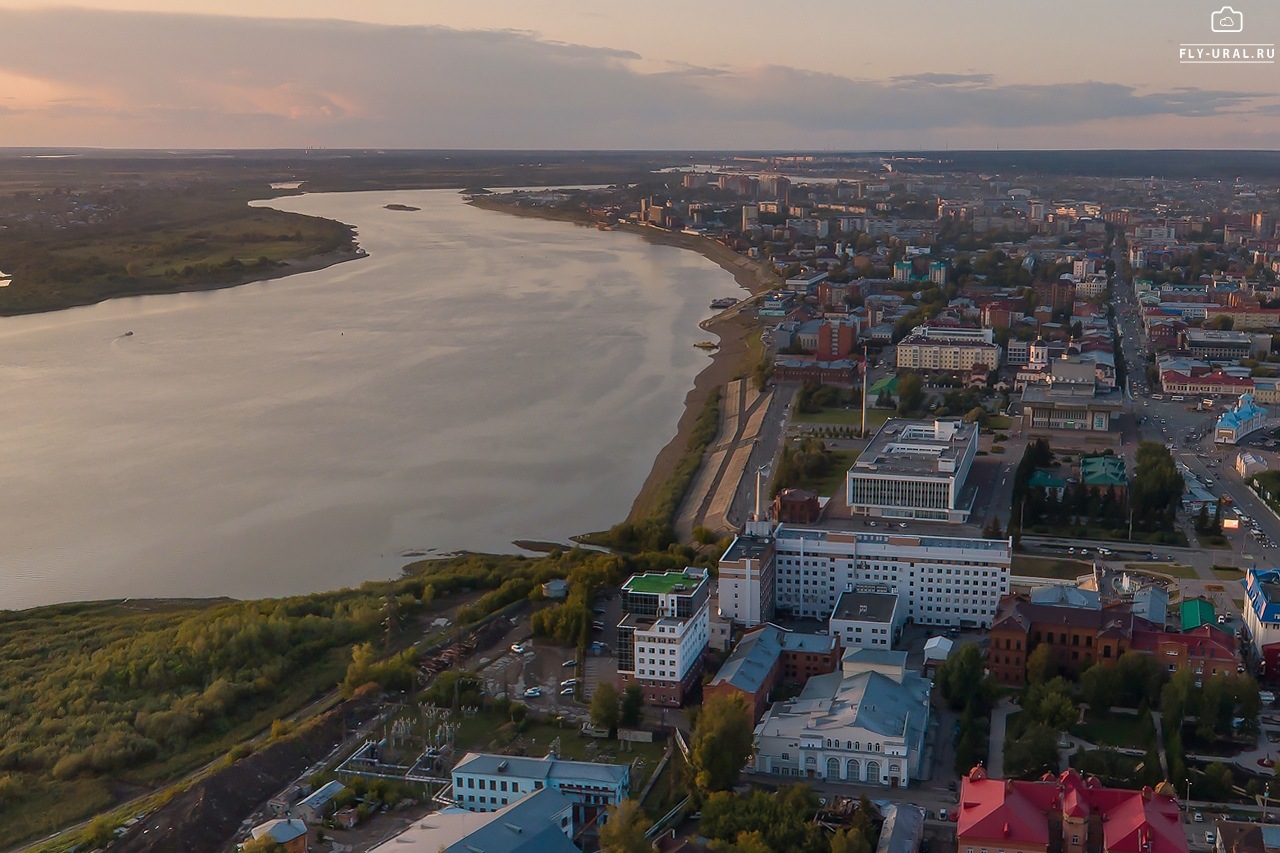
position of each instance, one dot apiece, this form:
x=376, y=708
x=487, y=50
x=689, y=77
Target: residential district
x=990, y=522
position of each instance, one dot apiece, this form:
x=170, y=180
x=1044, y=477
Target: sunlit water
x=478, y=378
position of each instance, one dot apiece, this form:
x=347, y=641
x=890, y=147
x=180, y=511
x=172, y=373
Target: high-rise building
x=750, y=216
x=915, y=470
x=663, y=633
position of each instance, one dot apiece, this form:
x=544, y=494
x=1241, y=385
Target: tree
x=910, y=393
x=1041, y=666
x=632, y=706
x=993, y=529
x=265, y=844
x=721, y=743
x=604, y=706
x=624, y=830
x=1034, y=753
x=748, y=842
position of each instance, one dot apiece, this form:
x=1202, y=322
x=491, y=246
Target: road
x=767, y=447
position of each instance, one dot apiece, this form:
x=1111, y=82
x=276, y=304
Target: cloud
x=136, y=79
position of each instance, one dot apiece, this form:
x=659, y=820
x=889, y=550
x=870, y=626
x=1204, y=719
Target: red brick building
x=1066, y=814
x=769, y=656
x=796, y=506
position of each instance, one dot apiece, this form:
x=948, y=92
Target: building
x=291, y=835
x=1067, y=814
x=865, y=723
x=940, y=580
x=915, y=470
x=1219, y=344
x=770, y=656
x=556, y=588
x=663, y=634
x=1214, y=384
x=796, y=506
x=1079, y=636
x=1250, y=464
x=1234, y=836
x=315, y=807
x=1243, y=418
x=903, y=828
x=1104, y=473
x=1206, y=650
x=485, y=782
x=539, y=823
x=919, y=353
x=746, y=585
x=1262, y=618
x=1070, y=407
x=868, y=616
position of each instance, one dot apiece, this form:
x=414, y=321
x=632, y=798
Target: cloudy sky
x=812, y=74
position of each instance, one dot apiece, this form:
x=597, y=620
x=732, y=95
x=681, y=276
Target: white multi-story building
x=915, y=470
x=939, y=580
x=864, y=724
x=663, y=633
x=745, y=581
x=867, y=616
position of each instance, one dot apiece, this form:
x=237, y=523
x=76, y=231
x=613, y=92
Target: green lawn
x=845, y=417
x=834, y=480
x=1109, y=728
x=1175, y=569
x=999, y=423
x=1227, y=573
x=1049, y=567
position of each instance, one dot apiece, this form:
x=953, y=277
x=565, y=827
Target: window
x=471, y=782
x=504, y=784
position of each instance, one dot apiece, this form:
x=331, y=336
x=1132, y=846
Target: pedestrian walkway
x=995, y=752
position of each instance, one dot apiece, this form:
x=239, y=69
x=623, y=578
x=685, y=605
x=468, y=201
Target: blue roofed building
x=486, y=782
x=1243, y=418
x=315, y=807
x=864, y=724
x=769, y=656
x=1262, y=617
x=540, y=823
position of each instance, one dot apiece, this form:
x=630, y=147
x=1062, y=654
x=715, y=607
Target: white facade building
x=865, y=723
x=664, y=632
x=939, y=580
x=915, y=470
x=868, y=616
x=485, y=782
x=745, y=581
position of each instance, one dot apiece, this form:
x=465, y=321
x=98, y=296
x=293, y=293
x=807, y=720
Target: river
x=478, y=378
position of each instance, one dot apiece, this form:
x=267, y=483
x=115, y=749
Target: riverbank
x=733, y=327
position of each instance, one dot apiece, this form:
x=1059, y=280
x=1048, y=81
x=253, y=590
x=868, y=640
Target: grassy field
x=845, y=417
x=1109, y=728
x=999, y=423
x=1049, y=567
x=1227, y=573
x=834, y=480
x=1174, y=569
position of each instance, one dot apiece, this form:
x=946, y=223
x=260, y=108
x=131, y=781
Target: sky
x=659, y=74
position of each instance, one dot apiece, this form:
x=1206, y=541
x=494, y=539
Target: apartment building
x=663, y=633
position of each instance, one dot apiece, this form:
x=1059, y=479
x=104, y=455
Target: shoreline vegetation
x=726, y=363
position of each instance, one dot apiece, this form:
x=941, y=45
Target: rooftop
x=1196, y=612
x=529, y=825
x=917, y=448
x=866, y=605
x=747, y=547
x=666, y=583
x=783, y=533
x=1103, y=471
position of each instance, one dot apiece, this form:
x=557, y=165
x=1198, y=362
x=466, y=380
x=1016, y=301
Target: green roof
x=1042, y=479
x=660, y=584
x=1197, y=612
x=887, y=383
x=1103, y=471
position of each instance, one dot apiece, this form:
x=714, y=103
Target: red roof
x=1205, y=642
x=1215, y=378
x=1016, y=813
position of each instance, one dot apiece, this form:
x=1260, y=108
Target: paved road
x=766, y=450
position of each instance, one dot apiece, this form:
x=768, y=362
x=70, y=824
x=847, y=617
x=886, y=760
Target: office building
x=1261, y=615
x=915, y=470
x=769, y=656
x=1219, y=344
x=746, y=581
x=939, y=580
x=663, y=634
x=539, y=823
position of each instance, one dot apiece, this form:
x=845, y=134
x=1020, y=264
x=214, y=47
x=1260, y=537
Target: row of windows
x=493, y=784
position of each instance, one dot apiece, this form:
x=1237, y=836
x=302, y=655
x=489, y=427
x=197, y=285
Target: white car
x=533, y=693
x=517, y=648
x=569, y=682
x=570, y=662
x=568, y=691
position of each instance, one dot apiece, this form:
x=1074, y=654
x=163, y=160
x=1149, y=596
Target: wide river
x=478, y=378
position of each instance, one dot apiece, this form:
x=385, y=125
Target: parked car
x=517, y=648
x=569, y=682
x=1208, y=836
x=942, y=814
x=568, y=691
x=533, y=693
x=1198, y=817
x=570, y=662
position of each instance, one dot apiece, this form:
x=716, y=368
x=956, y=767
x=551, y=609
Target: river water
x=478, y=378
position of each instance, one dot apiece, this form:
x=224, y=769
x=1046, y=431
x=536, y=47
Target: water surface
x=478, y=378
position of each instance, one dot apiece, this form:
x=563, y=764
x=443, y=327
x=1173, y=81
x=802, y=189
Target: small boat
x=128, y=333
x=727, y=302
x=707, y=345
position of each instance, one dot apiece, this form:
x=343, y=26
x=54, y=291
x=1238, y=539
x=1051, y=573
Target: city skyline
x=569, y=74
